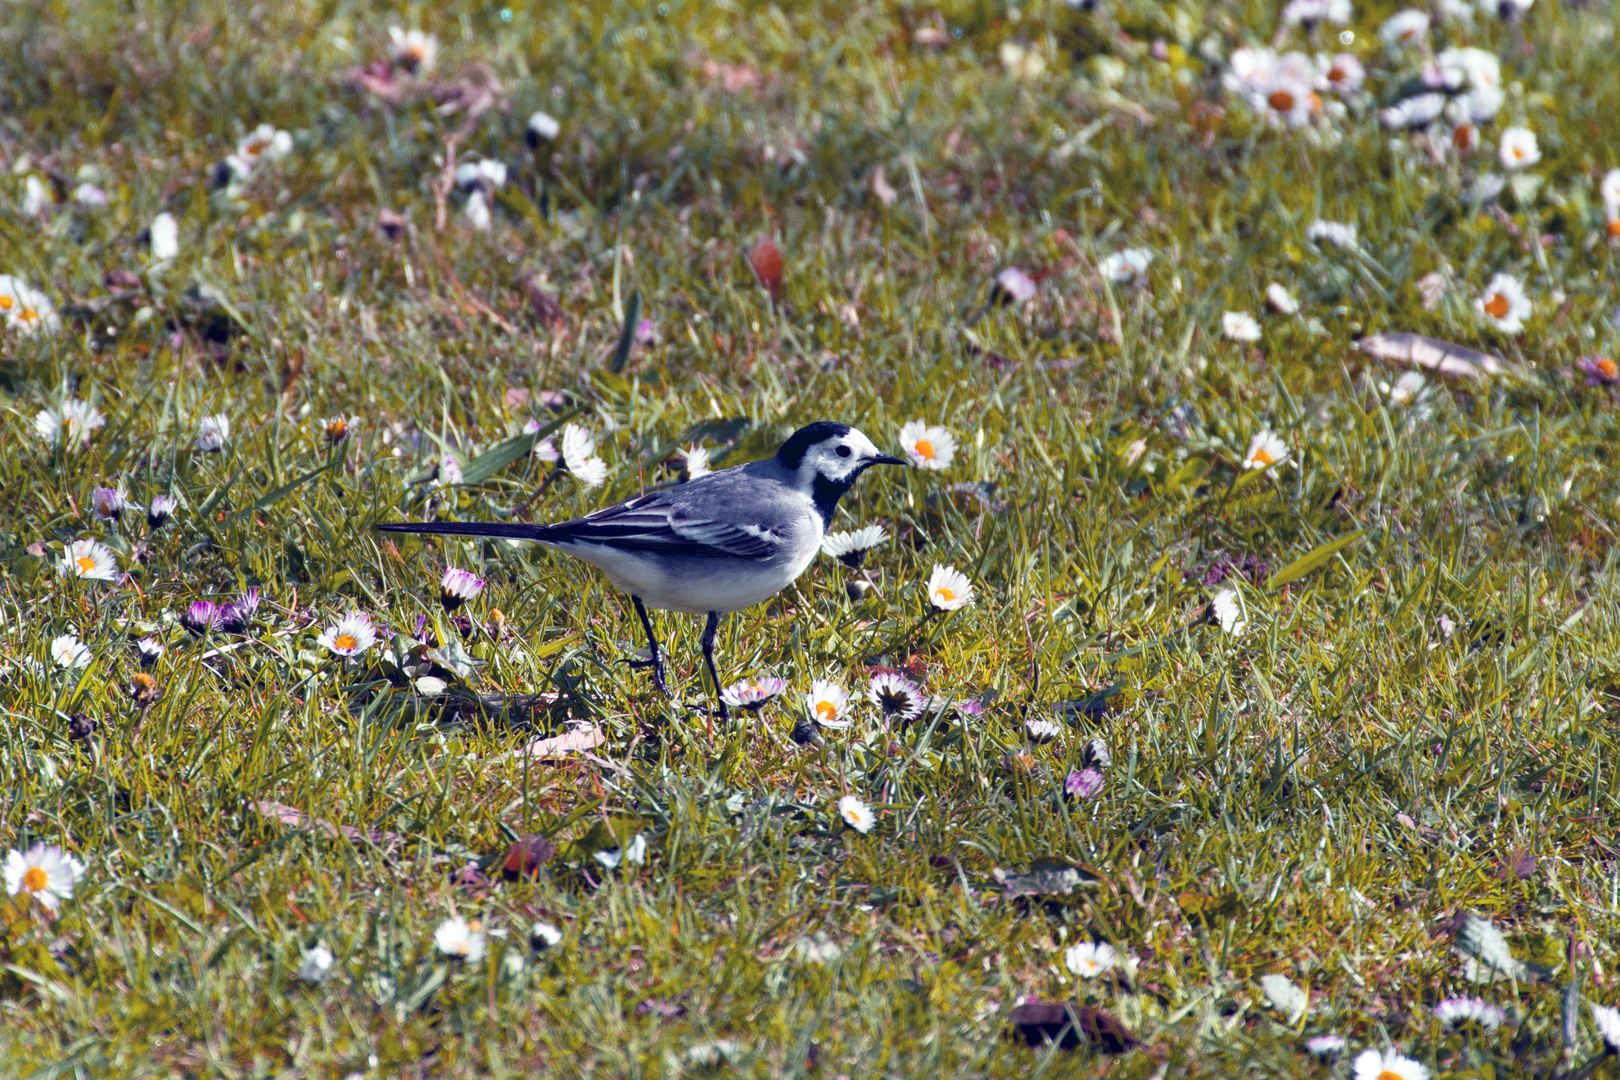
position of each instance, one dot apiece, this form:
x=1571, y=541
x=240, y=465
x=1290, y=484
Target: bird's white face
x=840, y=458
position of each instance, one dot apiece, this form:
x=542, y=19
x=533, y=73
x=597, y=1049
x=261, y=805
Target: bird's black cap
x=799, y=443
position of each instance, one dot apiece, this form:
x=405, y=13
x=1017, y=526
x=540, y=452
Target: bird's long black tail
x=510, y=531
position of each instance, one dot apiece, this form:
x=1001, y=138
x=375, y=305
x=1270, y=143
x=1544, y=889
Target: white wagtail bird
x=722, y=542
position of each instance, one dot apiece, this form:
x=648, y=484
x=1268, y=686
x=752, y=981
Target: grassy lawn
x=1286, y=704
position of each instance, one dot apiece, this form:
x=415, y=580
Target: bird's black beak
x=885, y=459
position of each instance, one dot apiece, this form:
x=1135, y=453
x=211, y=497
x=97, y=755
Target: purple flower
x=646, y=333
x=235, y=616
x=200, y=616
x=1599, y=370
x=1085, y=784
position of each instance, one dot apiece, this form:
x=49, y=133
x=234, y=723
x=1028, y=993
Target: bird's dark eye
x=843, y=451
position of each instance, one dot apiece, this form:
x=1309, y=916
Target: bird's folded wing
x=652, y=526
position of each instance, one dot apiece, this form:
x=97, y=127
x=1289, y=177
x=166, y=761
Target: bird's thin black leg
x=655, y=663
x=711, y=628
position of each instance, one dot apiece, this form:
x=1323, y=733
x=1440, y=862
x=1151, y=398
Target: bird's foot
x=657, y=671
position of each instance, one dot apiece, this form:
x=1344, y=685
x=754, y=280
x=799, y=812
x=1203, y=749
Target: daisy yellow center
x=1613, y=228
x=34, y=880
x=1608, y=367
x=1389, y=1074
x=826, y=710
x=345, y=641
x=1518, y=152
x=1281, y=100
x=29, y=314
x=1497, y=306
x=85, y=564
x=944, y=592
x=1263, y=458
x=257, y=146
x=1463, y=137
x=1337, y=75
x=5, y=303
x=924, y=449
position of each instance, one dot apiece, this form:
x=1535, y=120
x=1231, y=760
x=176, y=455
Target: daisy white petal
x=1518, y=149
x=1373, y=1064
x=856, y=814
x=69, y=652
x=89, y=559
x=850, y=548
x=349, y=636
x=1229, y=612
x=828, y=703
x=1240, y=326
x=1088, y=959
x=1504, y=304
x=1266, y=448
x=458, y=940
x=949, y=588
x=44, y=872
x=928, y=446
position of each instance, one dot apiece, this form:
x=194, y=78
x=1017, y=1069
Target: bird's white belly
x=692, y=585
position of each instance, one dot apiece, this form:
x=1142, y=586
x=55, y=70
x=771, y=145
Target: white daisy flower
x=349, y=636
x=752, y=694
x=1518, y=149
x=1311, y=12
x=487, y=175
x=949, y=588
x=850, y=548
x=696, y=459
x=856, y=814
x=316, y=964
x=1373, y=1064
x=1014, y=285
x=86, y=558
x=1042, y=730
x=579, y=456
x=1240, y=326
x=1463, y=1010
x=928, y=446
x=828, y=703
x=1247, y=69
x=1478, y=68
x=165, y=234
x=412, y=49
x=457, y=587
x=1127, y=265
x=37, y=197
x=212, y=432
x=1418, y=111
x=71, y=425
x=542, y=127
x=1266, y=448
x=24, y=308
x=1608, y=1024
x=1286, y=98
x=1333, y=232
x=68, y=651
x=477, y=211
x=162, y=508
x=1609, y=192
x=458, y=940
x=1326, y=1046
x=1408, y=26
x=1089, y=959
x=449, y=471
x=44, y=872
x=1342, y=73
x=1228, y=610
x=150, y=651
x=1406, y=389
x=265, y=142
x=1504, y=304
x=1476, y=107
x=543, y=935
x=1281, y=300
x=896, y=696
x=1506, y=10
